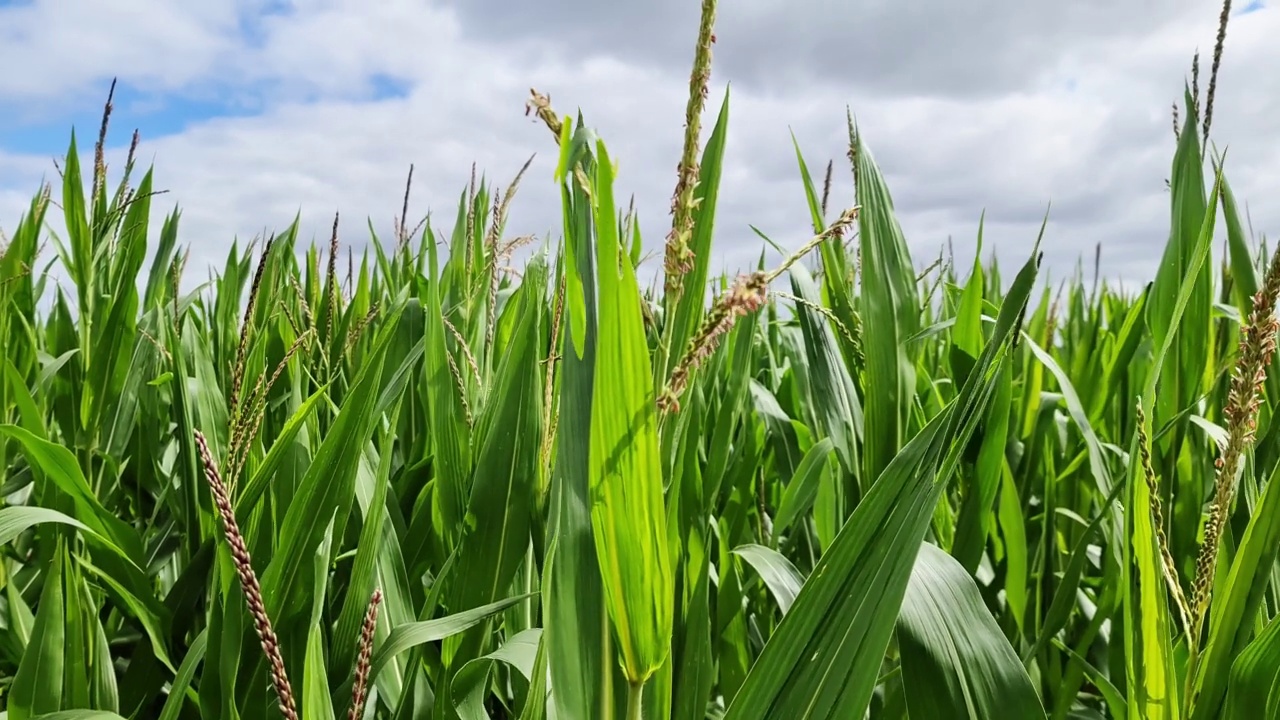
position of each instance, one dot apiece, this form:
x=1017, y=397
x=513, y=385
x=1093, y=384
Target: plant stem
x=635, y=701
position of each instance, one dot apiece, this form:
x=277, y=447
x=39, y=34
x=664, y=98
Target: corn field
x=423, y=482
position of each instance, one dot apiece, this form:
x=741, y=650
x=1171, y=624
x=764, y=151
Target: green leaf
x=404, y=637
x=835, y=404
x=798, y=497
x=1235, y=609
x=823, y=659
x=37, y=687
x=80, y=715
x=327, y=487
x=1097, y=462
x=1254, y=691
x=1065, y=596
x=497, y=524
x=316, y=704
x=1151, y=679
x=1238, y=253
x=372, y=542
x=627, y=511
x=890, y=314
x=280, y=448
x=469, y=685
x=956, y=662
x=977, y=519
x=446, y=417
x=186, y=673
x=780, y=576
x=579, y=647
x=18, y=519
x=60, y=466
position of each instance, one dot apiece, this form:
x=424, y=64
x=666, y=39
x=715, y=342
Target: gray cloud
x=930, y=47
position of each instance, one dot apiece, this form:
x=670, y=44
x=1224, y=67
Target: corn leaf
x=956, y=662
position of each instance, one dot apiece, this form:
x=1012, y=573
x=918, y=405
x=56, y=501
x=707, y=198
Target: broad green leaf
x=326, y=488
x=797, y=498
x=1255, y=678
x=834, y=401
x=446, y=415
x=411, y=635
x=80, y=715
x=627, y=512
x=186, y=673
x=823, y=659
x=60, y=466
x=469, y=685
x=316, y=704
x=956, y=662
x=1150, y=675
x=889, y=306
x=1238, y=252
x=1233, y=612
x=779, y=574
x=977, y=518
x=497, y=522
x=38, y=686
x=18, y=519
x=580, y=653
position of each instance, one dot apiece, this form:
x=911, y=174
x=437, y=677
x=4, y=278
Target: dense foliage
x=427, y=484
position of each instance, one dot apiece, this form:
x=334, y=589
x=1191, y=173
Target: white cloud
x=1085, y=125
x=56, y=51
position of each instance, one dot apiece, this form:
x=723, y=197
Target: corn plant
x=428, y=482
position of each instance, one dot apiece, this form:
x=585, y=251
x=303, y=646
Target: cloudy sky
x=254, y=110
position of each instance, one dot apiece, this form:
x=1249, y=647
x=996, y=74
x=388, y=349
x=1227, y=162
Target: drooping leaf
x=956, y=662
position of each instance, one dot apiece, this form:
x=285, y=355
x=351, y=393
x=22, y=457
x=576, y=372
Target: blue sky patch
x=153, y=114
x=252, y=25
x=388, y=87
